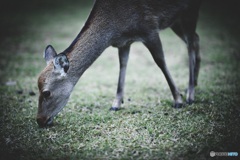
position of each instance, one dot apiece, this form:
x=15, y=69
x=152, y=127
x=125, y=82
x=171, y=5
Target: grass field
x=147, y=127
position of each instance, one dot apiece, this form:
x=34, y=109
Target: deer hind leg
x=187, y=33
x=194, y=64
x=198, y=59
x=123, y=59
x=153, y=43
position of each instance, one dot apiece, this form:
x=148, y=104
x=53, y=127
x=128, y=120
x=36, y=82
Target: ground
x=147, y=127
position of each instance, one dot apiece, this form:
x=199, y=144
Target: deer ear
x=49, y=54
x=61, y=63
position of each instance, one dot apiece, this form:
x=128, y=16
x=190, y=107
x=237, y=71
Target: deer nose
x=44, y=121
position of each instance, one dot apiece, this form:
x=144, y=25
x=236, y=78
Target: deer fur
x=119, y=23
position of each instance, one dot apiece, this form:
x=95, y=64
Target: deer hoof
x=114, y=109
x=178, y=105
x=190, y=101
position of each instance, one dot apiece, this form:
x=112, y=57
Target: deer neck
x=86, y=48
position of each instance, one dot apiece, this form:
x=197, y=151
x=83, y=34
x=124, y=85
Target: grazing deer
x=119, y=23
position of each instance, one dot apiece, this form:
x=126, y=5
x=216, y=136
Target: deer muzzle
x=44, y=121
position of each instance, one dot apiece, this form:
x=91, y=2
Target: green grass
x=147, y=127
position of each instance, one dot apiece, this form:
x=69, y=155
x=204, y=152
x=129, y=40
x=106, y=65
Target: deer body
x=118, y=23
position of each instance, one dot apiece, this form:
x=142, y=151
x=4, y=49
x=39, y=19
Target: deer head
x=54, y=86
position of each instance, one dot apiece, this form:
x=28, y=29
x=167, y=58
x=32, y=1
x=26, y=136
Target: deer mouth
x=49, y=121
x=45, y=122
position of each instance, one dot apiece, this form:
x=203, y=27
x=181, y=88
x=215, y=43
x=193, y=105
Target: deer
x=119, y=23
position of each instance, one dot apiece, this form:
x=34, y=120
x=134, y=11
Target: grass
x=147, y=127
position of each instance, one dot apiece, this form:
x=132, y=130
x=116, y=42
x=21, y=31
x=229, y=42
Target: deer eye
x=46, y=94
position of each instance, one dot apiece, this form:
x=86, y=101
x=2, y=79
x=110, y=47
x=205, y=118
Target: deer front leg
x=123, y=59
x=154, y=45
